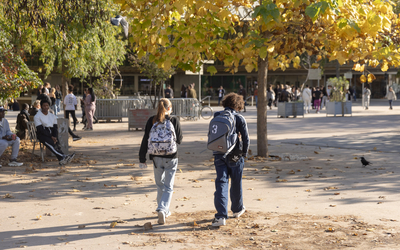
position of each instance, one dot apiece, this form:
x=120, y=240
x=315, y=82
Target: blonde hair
x=36, y=103
x=162, y=108
x=52, y=90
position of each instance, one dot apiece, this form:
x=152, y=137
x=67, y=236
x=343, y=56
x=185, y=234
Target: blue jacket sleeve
x=241, y=127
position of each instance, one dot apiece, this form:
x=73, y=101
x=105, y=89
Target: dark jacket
x=241, y=127
x=242, y=92
x=285, y=96
x=144, y=145
x=22, y=124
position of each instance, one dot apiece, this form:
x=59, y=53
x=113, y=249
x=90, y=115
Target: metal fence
x=116, y=109
x=188, y=108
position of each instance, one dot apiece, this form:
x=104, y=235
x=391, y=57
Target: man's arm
x=178, y=130
x=241, y=126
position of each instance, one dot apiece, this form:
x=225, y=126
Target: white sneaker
x=161, y=217
x=168, y=214
x=238, y=214
x=14, y=163
x=218, y=222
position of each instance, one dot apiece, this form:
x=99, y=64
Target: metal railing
x=116, y=109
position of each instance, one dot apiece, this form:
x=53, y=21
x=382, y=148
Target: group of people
x=163, y=132
x=44, y=114
x=188, y=91
x=46, y=132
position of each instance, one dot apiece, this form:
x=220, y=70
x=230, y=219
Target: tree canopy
x=270, y=35
x=71, y=37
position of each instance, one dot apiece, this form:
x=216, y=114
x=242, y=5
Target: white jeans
x=366, y=102
x=14, y=144
x=164, y=175
x=307, y=105
x=323, y=103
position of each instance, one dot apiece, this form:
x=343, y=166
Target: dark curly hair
x=233, y=101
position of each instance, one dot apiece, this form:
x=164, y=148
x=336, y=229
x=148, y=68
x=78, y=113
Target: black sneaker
x=14, y=163
x=77, y=138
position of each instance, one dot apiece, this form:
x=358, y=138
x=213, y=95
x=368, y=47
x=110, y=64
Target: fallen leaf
x=274, y=230
x=127, y=242
x=291, y=172
x=382, y=197
x=62, y=239
x=330, y=188
x=113, y=224
x=355, y=158
x=370, y=229
x=76, y=190
x=8, y=196
x=355, y=234
x=147, y=226
x=81, y=226
x=48, y=214
x=259, y=199
x=38, y=217
x=332, y=205
x=308, y=190
x=315, y=152
x=336, y=193
x=374, y=148
x=250, y=189
x=308, y=176
x=98, y=208
x=330, y=230
x=281, y=180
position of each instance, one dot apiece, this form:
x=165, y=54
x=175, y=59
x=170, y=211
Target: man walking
x=231, y=166
x=7, y=139
x=307, y=99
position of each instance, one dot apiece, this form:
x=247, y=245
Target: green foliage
x=340, y=86
x=15, y=76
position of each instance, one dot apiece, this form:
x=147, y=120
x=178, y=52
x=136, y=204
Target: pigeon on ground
x=121, y=20
x=365, y=162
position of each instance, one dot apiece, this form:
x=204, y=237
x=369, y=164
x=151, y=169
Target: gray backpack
x=222, y=136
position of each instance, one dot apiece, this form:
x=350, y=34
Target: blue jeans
x=256, y=97
x=58, y=101
x=164, y=175
x=234, y=170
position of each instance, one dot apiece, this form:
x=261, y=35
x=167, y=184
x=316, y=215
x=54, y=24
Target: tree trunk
x=262, y=141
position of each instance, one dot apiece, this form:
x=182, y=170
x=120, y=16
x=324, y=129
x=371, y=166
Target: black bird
x=365, y=162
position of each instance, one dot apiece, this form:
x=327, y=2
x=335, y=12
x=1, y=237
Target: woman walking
x=90, y=108
x=162, y=127
x=391, y=96
x=52, y=96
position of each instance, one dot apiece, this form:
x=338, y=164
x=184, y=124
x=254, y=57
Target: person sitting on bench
x=47, y=132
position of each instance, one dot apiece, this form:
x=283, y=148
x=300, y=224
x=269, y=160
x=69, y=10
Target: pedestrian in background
x=221, y=94
x=90, y=108
x=52, y=96
x=391, y=96
x=242, y=92
x=367, y=95
x=70, y=103
x=270, y=97
x=58, y=99
x=317, y=99
x=307, y=97
x=256, y=94
x=183, y=91
x=168, y=92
